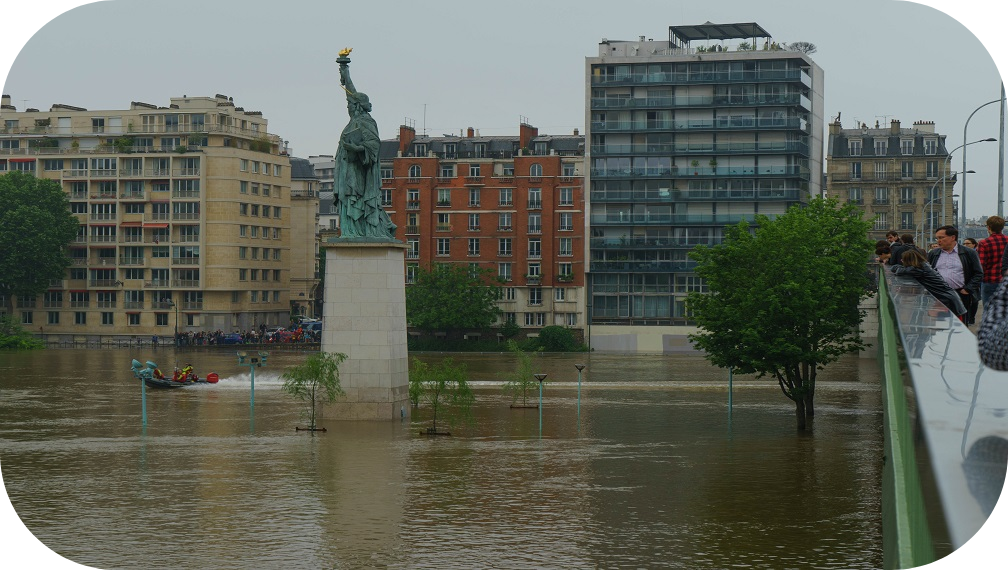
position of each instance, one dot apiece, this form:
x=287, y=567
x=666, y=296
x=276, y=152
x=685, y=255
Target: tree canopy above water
x=783, y=300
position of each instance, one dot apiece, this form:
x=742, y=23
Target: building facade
x=896, y=175
x=511, y=204
x=304, y=235
x=683, y=141
x=185, y=214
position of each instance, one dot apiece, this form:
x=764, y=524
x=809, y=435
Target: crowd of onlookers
x=950, y=271
x=262, y=335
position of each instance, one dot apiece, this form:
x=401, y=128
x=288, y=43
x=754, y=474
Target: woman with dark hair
x=970, y=243
x=915, y=265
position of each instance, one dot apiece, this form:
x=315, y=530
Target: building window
x=566, y=221
x=443, y=247
x=510, y=294
x=479, y=150
x=535, y=223
x=414, y=171
x=443, y=223
x=505, y=198
x=80, y=318
x=881, y=221
x=535, y=198
x=567, y=169
x=474, y=222
x=881, y=195
x=386, y=197
x=386, y=173
x=906, y=146
x=474, y=247
x=450, y=150
x=930, y=146
x=504, y=270
x=106, y=318
x=535, y=171
x=906, y=195
x=566, y=247
x=854, y=147
x=881, y=147
x=447, y=171
x=560, y=294
x=855, y=170
x=504, y=247
x=535, y=296
x=932, y=169
x=566, y=269
x=535, y=248
x=133, y=319
x=412, y=248
x=474, y=197
x=566, y=197
x=854, y=196
x=411, y=271
x=906, y=169
x=474, y=170
x=907, y=221
x=444, y=197
x=881, y=171
x=420, y=149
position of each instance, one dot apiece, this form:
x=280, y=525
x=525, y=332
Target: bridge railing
x=946, y=427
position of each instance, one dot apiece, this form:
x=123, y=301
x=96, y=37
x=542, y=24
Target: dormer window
x=420, y=149
x=854, y=147
x=881, y=147
x=906, y=147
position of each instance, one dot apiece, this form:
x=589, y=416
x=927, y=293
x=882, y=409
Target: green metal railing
x=906, y=538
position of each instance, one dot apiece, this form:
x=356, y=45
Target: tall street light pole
x=962, y=225
x=931, y=202
x=945, y=175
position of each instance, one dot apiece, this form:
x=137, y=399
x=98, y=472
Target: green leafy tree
x=556, y=338
x=35, y=228
x=314, y=380
x=452, y=296
x=782, y=301
x=519, y=381
x=13, y=336
x=445, y=388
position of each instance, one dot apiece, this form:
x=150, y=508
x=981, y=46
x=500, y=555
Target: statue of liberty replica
x=357, y=191
x=364, y=313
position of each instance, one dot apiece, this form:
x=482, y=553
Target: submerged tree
x=445, y=388
x=519, y=381
x=314, y=380
x=783, y=300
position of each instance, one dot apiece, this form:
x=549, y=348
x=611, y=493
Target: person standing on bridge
x=959, y=266
x=992, y=251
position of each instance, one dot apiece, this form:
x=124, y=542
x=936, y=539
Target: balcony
x=185, y=283
x=443, y=227
x=156, y=284
x=131, y=260
x=185, y=216
x=185, y=261
x=535, y=204
x=412, y=255
x=412, y=230
x=535, y=229
x=413, y=204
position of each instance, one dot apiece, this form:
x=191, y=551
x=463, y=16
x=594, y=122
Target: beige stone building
x=895, y=174
x=186, y=215
x=304, y=258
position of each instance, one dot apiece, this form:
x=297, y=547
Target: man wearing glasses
x=959, y=266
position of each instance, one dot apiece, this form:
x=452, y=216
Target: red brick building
x=512, y=204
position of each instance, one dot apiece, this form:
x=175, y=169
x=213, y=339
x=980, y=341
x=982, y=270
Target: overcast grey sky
x=452, y=64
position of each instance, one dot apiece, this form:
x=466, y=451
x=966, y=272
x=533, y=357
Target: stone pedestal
x=364, y=317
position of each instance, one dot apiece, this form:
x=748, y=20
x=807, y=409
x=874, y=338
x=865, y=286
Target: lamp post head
x=579, y=367
x=540, y=377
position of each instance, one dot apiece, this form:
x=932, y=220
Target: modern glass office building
x=710, y=127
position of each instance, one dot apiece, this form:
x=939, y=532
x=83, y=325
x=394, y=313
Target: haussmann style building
x=895, y=174
x=686, y=135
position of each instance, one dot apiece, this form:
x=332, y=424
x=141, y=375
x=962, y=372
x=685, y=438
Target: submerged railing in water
x=946, y=427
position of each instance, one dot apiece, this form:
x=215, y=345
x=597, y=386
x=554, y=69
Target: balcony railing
x=185, y=261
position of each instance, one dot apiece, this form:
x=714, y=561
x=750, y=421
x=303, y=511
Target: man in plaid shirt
x=992, y=252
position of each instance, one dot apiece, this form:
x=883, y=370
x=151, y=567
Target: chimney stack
x=406, y=136
x=470, y=132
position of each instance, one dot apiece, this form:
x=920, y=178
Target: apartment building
x=185, y=215
x=304, y=253
x=511, y=204
x=896, y=175
x=686, y=135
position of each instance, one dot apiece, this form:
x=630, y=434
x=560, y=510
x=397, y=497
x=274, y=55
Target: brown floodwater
x=656, y=474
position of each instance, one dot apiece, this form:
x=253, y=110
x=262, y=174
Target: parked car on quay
x=230, y=338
